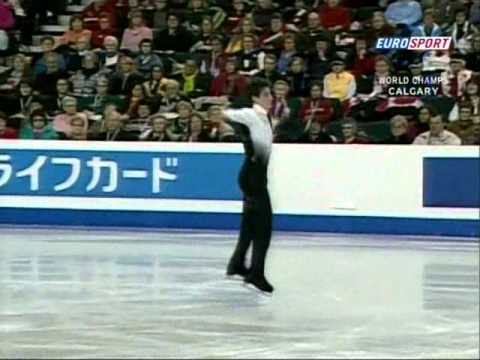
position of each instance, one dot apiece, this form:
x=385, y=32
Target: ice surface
x=98, y=293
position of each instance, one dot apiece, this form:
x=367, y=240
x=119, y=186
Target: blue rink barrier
x=451, y=183
x=195, y=186
x=120, y=174
x=221, y=221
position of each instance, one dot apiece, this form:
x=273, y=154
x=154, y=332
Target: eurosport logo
x=414, y=43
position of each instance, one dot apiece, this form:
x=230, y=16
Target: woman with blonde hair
x=247, y=26
x=171, y=98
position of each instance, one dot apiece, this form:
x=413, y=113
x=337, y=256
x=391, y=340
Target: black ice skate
x=259, y=284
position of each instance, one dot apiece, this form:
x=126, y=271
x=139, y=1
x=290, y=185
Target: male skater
x=256, y=223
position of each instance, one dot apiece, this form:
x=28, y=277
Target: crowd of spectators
x=162, y=70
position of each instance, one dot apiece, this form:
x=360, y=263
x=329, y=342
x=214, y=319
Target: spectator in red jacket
x=262, y=12
x=317, y=106
x=229, y=82
x=104, y=29
x=92, y=13
x=214, y=62
x=334, y=17
x=7, y=18
x=6, y=132
x=363, y=62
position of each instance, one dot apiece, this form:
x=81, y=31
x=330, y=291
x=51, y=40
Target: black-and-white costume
x=256, y=223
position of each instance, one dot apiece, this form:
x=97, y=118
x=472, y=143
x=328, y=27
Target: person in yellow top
x=339, y=83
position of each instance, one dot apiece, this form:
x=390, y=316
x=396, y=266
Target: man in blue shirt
x=407, y=12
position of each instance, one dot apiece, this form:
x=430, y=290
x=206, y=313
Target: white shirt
x=257, y=122
x=445, y=138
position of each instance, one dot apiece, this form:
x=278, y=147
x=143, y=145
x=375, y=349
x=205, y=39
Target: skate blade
x=235, y=277
x=257, y=290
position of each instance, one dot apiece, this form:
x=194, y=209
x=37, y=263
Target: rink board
x=425, y=190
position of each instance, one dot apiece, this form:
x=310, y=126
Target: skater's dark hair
x=256, y=86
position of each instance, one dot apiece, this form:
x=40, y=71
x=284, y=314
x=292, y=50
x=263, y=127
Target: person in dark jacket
x=197, y=131
x=46, y=84
x=297, y=78
x=174, y=37
x=54, y=102
x=20, y=101
x=113, y=129
x=158, y=130
x=263, y=12
x=123, y=81
x=42, y=9
x=269, y=71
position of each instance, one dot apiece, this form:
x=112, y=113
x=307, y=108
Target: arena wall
x=411, y=190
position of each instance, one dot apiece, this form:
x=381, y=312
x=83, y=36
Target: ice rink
x=136, y=294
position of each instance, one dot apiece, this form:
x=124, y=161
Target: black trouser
x=256, y=225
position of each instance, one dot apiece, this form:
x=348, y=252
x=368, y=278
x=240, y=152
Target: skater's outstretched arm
x=241, y=116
